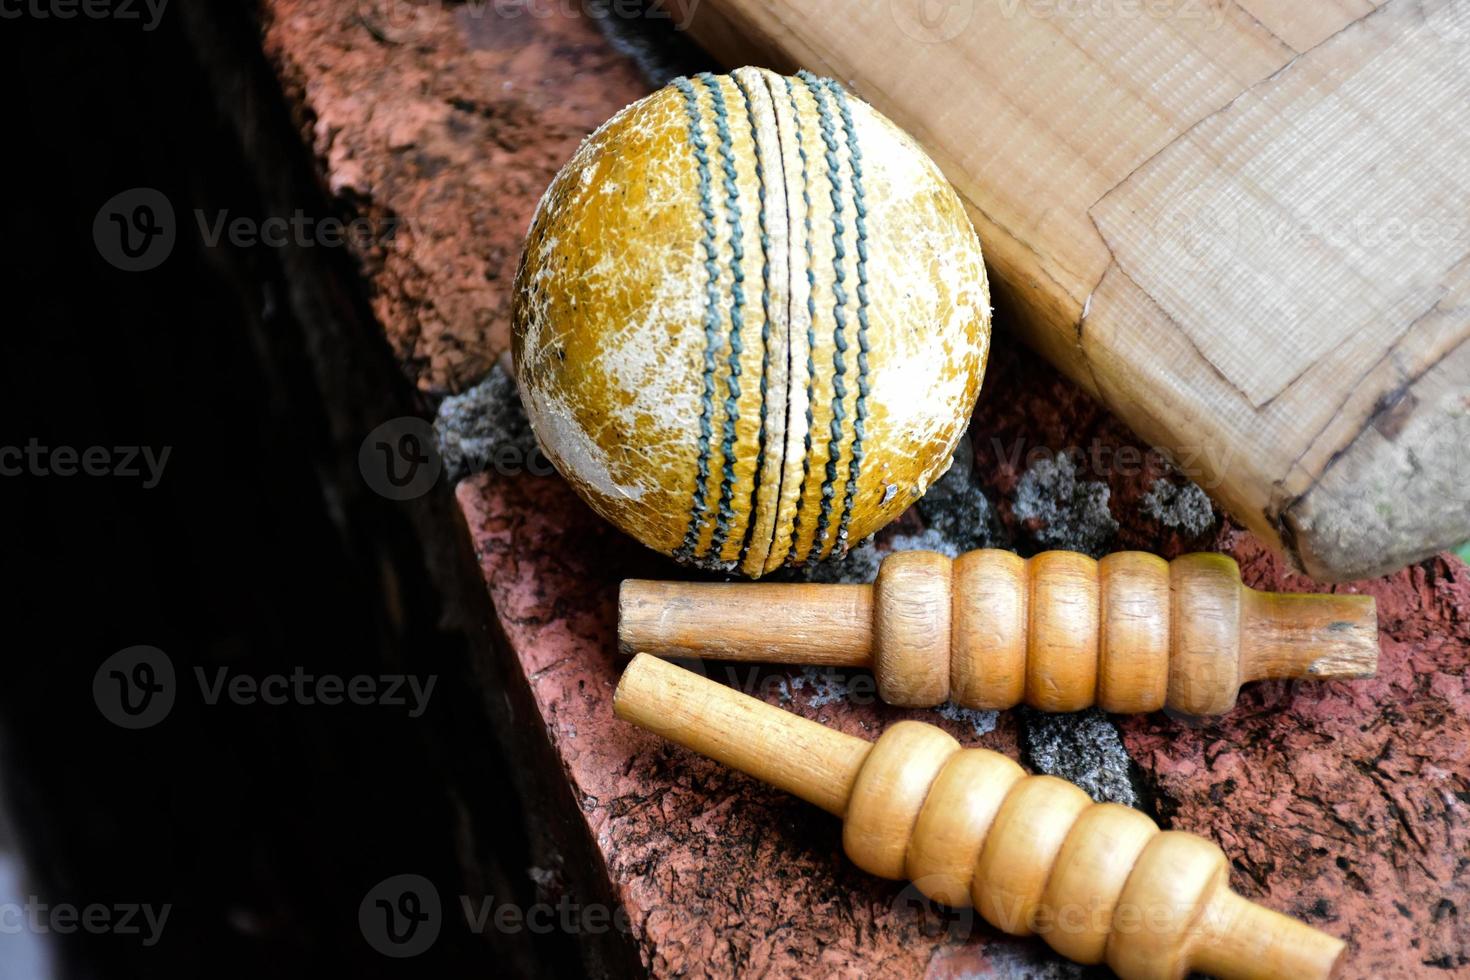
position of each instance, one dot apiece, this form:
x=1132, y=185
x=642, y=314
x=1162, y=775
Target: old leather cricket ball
x=751, y=320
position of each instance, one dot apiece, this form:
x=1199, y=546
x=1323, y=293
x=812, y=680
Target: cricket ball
x=750, y=321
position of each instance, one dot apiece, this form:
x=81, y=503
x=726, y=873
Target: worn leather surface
x=735, y=286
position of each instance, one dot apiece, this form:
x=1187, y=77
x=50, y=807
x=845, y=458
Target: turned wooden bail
x=1033, y=854
x=1130, y=633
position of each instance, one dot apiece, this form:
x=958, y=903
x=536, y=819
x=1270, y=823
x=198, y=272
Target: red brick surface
x=1345, y=804
x=442, y=124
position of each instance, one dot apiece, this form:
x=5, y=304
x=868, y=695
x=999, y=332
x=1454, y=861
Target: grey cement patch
x=1083, y=748
x=486, y=428
x=1032, y=959
x=957, y=512
x=1070, y=514
x=981, y=722
x=1181, y=506
x=858, y=567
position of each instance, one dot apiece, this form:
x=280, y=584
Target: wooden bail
x=1060, y=632
x=1034, y=854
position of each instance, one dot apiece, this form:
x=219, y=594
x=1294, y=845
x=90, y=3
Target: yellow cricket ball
x=751, y=320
